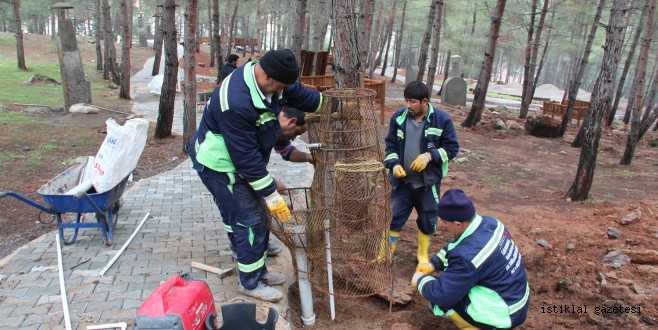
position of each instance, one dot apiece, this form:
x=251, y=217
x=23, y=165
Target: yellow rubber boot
x=459, y=321
x=395, y=235
x=393, y=239
x=424, y=264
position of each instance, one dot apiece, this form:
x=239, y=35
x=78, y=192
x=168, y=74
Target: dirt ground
x=518, y=178
x=521, y=180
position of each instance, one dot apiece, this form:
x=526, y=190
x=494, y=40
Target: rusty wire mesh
x=346, y=212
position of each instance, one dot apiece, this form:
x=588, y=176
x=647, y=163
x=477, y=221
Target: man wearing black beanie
x=230, y=151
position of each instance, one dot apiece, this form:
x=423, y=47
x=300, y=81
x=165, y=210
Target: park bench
x=551, y=108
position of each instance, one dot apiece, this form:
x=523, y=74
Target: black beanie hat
x=455, y=206
x=281, y=65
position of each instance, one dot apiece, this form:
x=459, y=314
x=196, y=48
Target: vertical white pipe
x=330, y=275
x=305, y=292
x=62, y=286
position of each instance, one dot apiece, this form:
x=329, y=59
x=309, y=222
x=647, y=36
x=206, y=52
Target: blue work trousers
x=404, y=198
x=243, y=213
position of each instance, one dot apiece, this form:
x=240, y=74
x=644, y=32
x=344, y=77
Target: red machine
x=176, y=304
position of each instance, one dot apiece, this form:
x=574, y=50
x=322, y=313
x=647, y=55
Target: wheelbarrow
x=104, y=205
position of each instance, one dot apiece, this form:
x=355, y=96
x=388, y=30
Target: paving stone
x=35, y=319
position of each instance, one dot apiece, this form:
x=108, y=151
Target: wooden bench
x=580, y=109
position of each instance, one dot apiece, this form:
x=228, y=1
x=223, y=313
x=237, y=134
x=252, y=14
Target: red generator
x=176, y=304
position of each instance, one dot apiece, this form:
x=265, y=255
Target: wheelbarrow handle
x=26, y=200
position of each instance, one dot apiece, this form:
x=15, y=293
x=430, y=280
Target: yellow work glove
x=277, y=206
x=421, y=162
x=398, y=172
x=425, y=267
x=415, y=278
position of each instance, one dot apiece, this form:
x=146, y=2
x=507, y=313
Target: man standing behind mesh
x=230, y=151
x=420, y=142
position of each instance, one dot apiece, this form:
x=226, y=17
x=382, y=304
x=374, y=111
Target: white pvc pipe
x=305, y=292
x=119, y=325
x=125, y=245
x=84, y=186
x=62, y=286
x=330, y=275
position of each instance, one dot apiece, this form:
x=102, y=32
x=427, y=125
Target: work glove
x=277, y=206
x=421, y=162
x=416, y=278
x=398, y=172
x=425, y=268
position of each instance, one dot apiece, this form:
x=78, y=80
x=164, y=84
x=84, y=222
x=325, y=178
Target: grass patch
x=14, y=91
x=496, y=178
x=503, y=96
x=609, y=196
x=624, y=174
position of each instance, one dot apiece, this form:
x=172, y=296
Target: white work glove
x=421, y=162
x=415, y=278
x=277, y=206
x=398, y=172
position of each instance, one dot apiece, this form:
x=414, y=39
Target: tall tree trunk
x=215, y=36
x=226, y=33
x=231, y=27
x=211, y=35
x=575, y=84
x=157, y=41
x=434, y=55
x=387, y=30
x=111, y=69
x=346, y=49
x=480, y=91
x=387, y=38
x=20, y=51
x=374, y=44
x=528, y=68
x=601, y=98
x=259, y=29
x=298, y=29
x=398, y=43
x=98, y=35
x=446, y=67
x=425, y=44
x=168, y=92
x=365, y=28
x=189, y=87
x=650, y=116
x=320, y=23
x=624, y=73
x=640, y=73
x=126, y=44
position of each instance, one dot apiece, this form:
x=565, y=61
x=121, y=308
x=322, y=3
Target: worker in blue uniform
x=420, y=142
x=483, y=284
x=230, y=151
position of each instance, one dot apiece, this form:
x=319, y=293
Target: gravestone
x=455, y=66
x=453, y=91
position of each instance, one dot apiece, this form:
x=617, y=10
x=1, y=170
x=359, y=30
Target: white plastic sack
x=119, y=153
